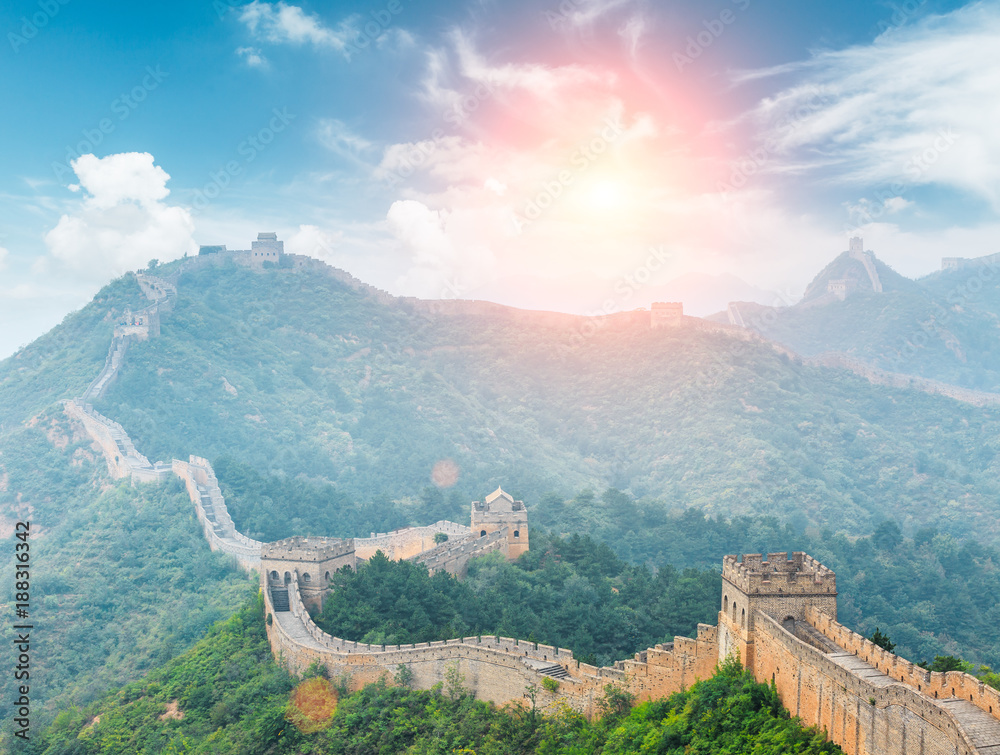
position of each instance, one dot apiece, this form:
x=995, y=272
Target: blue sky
x=532, y=153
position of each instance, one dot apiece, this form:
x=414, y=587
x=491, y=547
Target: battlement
x=666, y=314
x=307, y=549
x=778, y=574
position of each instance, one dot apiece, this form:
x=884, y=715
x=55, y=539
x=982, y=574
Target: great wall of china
x=778, y=614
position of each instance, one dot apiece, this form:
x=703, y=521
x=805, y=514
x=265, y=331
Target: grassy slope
x=331, y=384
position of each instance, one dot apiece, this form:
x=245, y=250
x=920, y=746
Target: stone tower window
x=328, y=576
x=734, y=612
x=274, y=575
x=517, y=533
x=482, y=533
x=307, y=577
x=725, y=603
x=743, y=618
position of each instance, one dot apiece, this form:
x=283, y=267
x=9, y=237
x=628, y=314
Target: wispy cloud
x=917, y=106
x=278, y=22
x=252, y=56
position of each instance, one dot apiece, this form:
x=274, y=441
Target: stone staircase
x=556, y=672
x=279, y=599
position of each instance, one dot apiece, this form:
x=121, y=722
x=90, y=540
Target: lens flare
x=445, y=473
x=312, y=705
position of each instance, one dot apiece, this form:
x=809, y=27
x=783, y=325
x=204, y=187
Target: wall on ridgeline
x=221, y=533
x=498, y=669
x=863, y=717
x=878, y=376
x=453, y=556
x=936, y=684
x=406, y=543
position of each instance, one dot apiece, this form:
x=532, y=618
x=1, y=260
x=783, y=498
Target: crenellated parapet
x=778, y=574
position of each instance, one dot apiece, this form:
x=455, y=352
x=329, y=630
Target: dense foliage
x=121, y=578
x=570, y=592
x=931, y=593
x=273, y=507
x=296, y=373
x=226, y=697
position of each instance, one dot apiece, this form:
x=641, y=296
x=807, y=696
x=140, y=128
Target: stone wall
x=123, y=459
x=862, y=716
x=498, y=669
x=939, y=685
x=878, y=376
x=213, y=515
x=453, y=556
x=408, y=542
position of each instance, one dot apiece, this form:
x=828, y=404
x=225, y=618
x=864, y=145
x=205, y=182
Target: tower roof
x=498, y=493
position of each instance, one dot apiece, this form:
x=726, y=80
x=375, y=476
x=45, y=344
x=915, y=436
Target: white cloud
x=917, y=106
x=278, y=22
x=312, y=241
x=252, y=57
x=896, y=204
x=121, y=222
x=3, y=257
x=339, y=139
x=447, y=251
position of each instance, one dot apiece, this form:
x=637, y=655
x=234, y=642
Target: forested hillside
x=297, y=374
x=326, y=410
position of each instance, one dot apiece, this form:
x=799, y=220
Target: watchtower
x=666, y=314
x=314, y=558
x=266, y=248
x=499, y=511
x=779, y=587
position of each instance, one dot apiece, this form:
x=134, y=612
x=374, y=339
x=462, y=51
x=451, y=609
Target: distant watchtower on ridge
x=780, y=587
x=499, y=511
x=666, y=314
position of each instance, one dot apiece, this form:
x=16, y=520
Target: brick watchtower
x=499, y=511
x=780, y=587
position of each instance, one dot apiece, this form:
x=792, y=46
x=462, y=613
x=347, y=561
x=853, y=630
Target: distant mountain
x=944, y=327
